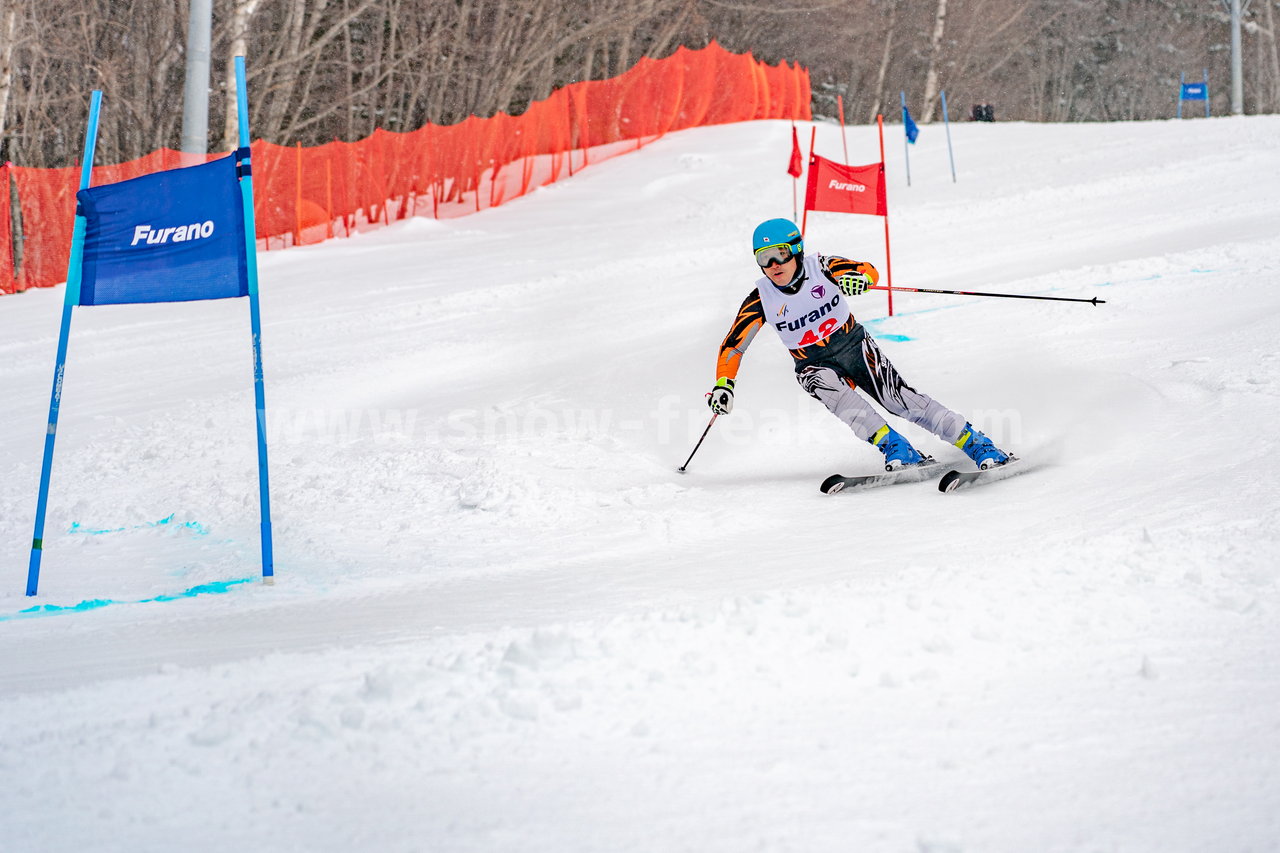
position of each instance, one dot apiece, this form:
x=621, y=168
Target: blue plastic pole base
x=268, y=559
x=33, y=569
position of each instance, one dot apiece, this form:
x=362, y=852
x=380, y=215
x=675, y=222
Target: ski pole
x=682, y=468
x=1094, y=301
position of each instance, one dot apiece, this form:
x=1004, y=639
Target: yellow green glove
x=720, y=398
x=854, y=283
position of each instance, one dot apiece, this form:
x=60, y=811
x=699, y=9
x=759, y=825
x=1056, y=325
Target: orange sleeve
x=749, y=321
x=834, y=267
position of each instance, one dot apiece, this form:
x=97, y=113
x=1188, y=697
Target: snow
x=502, y=621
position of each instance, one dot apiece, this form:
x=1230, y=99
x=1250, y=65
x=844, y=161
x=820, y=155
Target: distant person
x=804, y=300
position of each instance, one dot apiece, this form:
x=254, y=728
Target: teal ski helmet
x=774, y=231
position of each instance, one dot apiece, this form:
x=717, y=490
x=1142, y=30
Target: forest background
x=321, y=70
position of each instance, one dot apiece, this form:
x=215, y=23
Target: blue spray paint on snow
x=194, y=526
x=873, y=326
x=212, y=588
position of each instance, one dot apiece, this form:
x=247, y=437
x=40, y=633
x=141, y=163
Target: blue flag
x=173, y=236
x=909, y=126
x=1195, y=91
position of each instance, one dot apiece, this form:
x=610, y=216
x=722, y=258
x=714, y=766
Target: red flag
x=845, y=189
x=796, y=167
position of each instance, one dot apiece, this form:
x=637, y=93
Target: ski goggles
x=779, y=253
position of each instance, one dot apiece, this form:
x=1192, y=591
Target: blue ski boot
x=896, y=449
x=980, y=449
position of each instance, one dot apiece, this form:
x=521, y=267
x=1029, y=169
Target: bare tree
x=237, y=45
x=8, y=32
x=877, y=105
x=338, y=69
x=1270, y=55
x=935, y=49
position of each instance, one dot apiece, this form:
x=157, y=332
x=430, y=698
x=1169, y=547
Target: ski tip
x=832, y=484
x=953, y=480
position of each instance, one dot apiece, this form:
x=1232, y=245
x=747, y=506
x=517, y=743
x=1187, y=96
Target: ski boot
x=980, y=449
x=897, y=451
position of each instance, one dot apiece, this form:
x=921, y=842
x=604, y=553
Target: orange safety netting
x=305, y=195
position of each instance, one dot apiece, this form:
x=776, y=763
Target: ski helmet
x=774, y=231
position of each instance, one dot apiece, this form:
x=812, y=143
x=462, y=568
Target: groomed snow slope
x=503, y=622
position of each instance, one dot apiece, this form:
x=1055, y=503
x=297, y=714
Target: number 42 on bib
x=812, y=337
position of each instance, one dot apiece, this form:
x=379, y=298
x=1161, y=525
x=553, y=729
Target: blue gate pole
x=70, y=300
x=255, y=316
x=1182, y=88
x=946, y=122
x=906, y=142
x=1206, y=92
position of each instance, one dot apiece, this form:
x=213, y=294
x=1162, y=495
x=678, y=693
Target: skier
x=805, y=299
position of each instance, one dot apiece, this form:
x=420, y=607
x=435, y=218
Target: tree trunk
x=10, y=28
x=17, y=235
x=935, y=49
x=241, y=14
x=285, y=70
x=1275, y=57
x=878, y=106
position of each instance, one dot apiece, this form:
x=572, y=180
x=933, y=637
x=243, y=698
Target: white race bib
x=809, y=315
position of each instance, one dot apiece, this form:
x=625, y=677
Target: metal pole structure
x=195, y=93
x=1237, y=74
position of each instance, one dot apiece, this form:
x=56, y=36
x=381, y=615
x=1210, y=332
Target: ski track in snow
x=502, y=621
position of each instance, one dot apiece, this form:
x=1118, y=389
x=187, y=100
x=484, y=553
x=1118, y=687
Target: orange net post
x=328, y=194
x=297, y=197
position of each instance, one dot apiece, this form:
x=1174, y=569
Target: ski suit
x=834, y=355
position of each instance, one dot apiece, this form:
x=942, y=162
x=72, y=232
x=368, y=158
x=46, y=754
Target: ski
x=953, y=480
x=907, y=474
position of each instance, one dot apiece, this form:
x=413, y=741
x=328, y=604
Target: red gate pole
x=844, y=137
x=888, y=262
x=804, y=222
